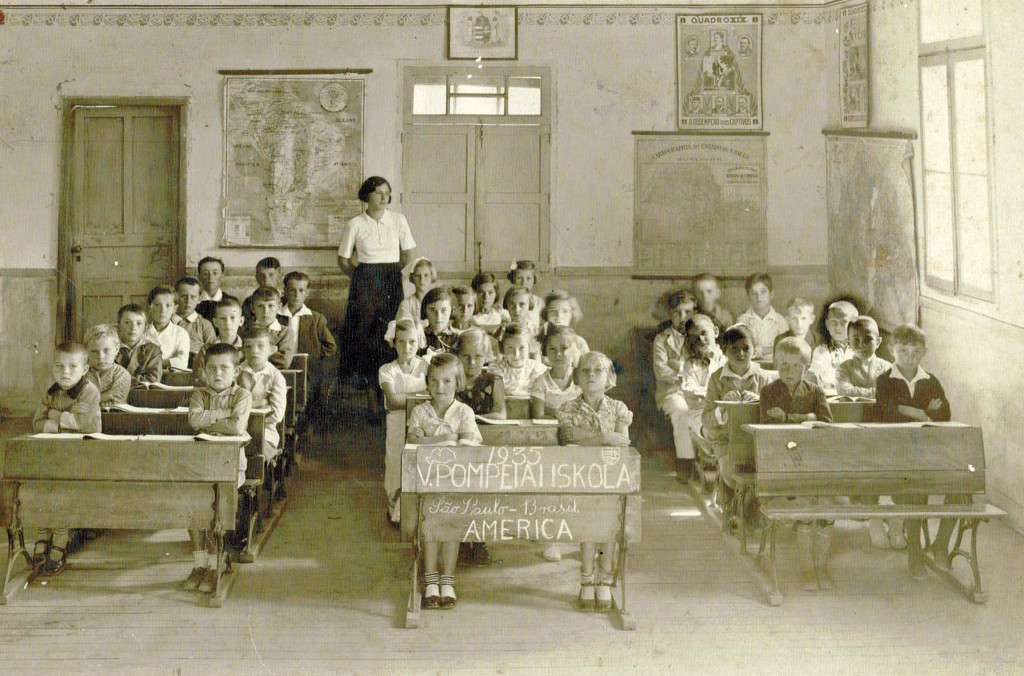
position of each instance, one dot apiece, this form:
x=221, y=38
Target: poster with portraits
x=853, y=65
x=718, y=67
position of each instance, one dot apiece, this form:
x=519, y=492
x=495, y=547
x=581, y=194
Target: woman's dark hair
x=371, y=184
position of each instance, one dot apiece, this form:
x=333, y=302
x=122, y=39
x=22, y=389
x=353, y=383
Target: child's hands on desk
x=615, y=439
x=776, y=415
x=914, y=413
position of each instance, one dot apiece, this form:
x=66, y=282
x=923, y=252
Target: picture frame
x=483, y=32
x=718, y=72
x=854, y=94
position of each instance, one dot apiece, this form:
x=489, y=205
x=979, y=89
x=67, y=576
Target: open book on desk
x=491, y=421
x=242, y=438
x=162, y=386
x=850, y=399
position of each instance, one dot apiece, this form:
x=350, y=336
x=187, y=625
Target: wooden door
x=122, y=235
x=438, y=184
x=513, y=194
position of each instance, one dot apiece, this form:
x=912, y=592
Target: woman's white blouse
x=377, y=241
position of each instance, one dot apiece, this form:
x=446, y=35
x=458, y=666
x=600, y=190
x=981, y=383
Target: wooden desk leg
x=774, y=595
x=626, y=620
x=412, y=605
x=252, y=503
x=16, y=548
x=224, y=577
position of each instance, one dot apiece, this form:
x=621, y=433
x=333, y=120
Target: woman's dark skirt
x=373, y=299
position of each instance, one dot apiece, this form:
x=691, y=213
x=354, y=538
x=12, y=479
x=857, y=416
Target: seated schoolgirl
x=439, y=333
x=561, y=309
x=463, y=307
x=487, y=314
x=593, y=419
x=523, y=275
x=439, y=421
x=516, y=366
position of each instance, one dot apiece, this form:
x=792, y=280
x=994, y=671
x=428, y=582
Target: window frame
x=414, y=74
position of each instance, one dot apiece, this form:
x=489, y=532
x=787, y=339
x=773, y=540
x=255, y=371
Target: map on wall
x=293, y=160
x=871, y=244
x=699, y=205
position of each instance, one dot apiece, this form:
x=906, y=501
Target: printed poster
x=853, y=65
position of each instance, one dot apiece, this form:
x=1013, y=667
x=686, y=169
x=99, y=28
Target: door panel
x=123, y=233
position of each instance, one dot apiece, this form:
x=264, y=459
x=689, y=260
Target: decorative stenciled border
x=397, y=16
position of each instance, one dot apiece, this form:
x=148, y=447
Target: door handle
x=76, y=251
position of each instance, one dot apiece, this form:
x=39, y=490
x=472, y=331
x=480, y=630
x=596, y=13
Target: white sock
x=200, y=557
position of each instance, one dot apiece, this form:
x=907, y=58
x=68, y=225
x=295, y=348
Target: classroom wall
x=614, y=73
x=984, y=380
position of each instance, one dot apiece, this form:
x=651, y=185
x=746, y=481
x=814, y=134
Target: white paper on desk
x=466, y=442
x=491, y=421
x=58, y=435
x=951, y=423
x=166, y=437
x=177, y=409
x=544, y=421
x=162, y=386
x=203, y=436
x=112, y=437
x=128, y=408
x=262, y=409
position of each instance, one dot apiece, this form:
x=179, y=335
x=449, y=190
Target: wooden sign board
x=520, y=469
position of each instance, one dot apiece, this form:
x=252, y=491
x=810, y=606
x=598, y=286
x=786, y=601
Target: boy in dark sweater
x=907, y=393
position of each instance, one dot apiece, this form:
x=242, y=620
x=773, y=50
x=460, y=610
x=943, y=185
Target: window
x=956, y=142
x=476, y=94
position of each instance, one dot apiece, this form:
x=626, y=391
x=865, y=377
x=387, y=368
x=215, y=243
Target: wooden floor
x=324, y=598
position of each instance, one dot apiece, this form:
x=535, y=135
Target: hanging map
x=293, y=160
x=699, y=205
x=718, y=68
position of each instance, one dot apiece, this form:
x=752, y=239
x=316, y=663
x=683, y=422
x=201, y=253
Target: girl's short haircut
x=735, y=334
x=187, y=281
x=512, y=293
x=134, y=309
x=445, y=361
x=297, y=276
x=462, y=291
x=96, y=333
x=559, y=295
x=864, y=323
x=697, y=319
x=474, y=336
x=799, y=303
x=435, y=295
x=794, y=346
x=268, y=263
x=423, y=263
x=516, y=331
x=845, y=307
x=482, y=278
x=681, y=297
x=554, y=331
x=521, y=265
x=609, y=367
x=161, y=290
x=371, y=184
x=759, y=277
x=218, y=349
x=908, y=334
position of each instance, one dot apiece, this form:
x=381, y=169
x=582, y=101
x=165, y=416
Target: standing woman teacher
x=382, y=243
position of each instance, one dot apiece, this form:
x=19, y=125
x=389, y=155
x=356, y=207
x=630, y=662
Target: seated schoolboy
x=908, y=393
x=138, y=354
x=436, y=312
x=219, y=407
x=708, y=292
x=268, y=276
x=593, y=419
x=793, y=399
x=439, y=421
x=835, y=347
x=112, y=381
x=800, y=316
x=704, y=358
x=210, y=272
x=227, y=320
x=266, y=302
x=516, y=367
x=487, y=314
x=670, y=351
x=313, y=337
x=761, y=318
x=265, y=383
x=71, y=404
x=405, y=376
x=199, y=329
x=173, y=340
x=463, y=307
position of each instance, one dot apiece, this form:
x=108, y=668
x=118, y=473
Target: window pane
x=971, y=134
x=935, y=111
x=524, y=96
x=940, y=255
x=950, y=19
x=476, y=105
x=975, y=230
x=477, y=85
x=428, y=97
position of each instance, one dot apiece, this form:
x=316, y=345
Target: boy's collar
x=751, y=370
x=895, y=372
x=72, y=391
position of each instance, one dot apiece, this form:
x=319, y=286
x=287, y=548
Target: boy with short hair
x=670, y=351
x=793, y=399
x=139, y=354
x=112, y=380
x=265, y=382
x=266, y=302
x=800, y=317
x=835, y=347
x=310, y=329
x=227, y=321
x=199, y=329
x=172, y=339
x=268, y=274
x=908, y=393
x=210, y=272
x=761, y=318
x=708, y=291
x=857, y=376
x=71, y=404
x=218, y=407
